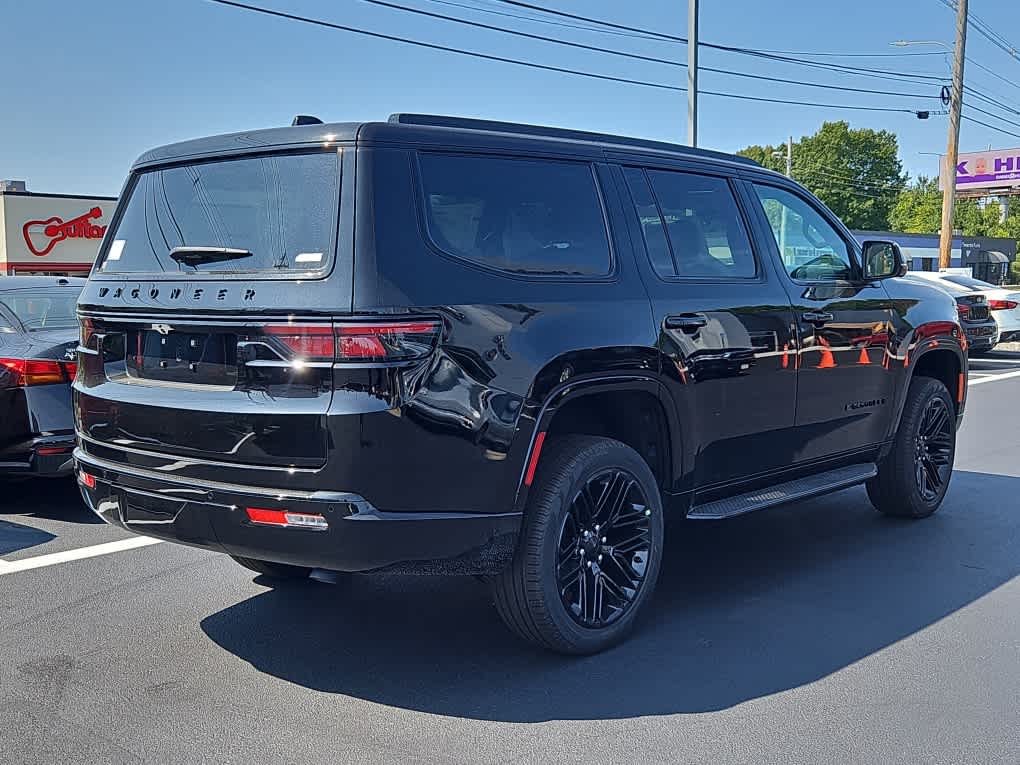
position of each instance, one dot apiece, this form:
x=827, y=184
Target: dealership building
x=56, y=234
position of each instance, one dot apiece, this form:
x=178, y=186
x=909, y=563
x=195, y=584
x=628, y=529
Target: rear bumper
x=42, y=456
x=359, y=537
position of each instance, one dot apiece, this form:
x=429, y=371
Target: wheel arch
x=632, y=408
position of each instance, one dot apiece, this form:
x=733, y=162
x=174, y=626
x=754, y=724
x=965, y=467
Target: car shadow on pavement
x=745, y=608
x=15, y=537
x=54, y=498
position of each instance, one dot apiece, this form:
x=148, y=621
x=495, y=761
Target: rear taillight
x=1002, y=305
x=386, y=341
x=358, y=341
x=963, y=309
x=21, y=373
x=308, y=342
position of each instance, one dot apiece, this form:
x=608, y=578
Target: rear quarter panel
x=509, y=343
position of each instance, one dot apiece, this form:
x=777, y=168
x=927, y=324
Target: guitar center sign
x=49, y=232
x=41, y=236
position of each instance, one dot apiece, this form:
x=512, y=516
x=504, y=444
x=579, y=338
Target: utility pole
x=789, y=158
x=692, y=72
x=953, y=144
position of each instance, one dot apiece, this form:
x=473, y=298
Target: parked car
x=440, y=345
x=974, y=307
x=1003, y=303
x=38, y=338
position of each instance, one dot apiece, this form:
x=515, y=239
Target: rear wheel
x=273, y=570
x=590, y=548
x=913, y=479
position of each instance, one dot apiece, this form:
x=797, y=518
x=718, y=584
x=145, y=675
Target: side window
x=701, y=223
x=811, y=249
x=517, y=215
x=650, y=219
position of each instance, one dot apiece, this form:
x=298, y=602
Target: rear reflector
x=47, y=451
x=87, y=479
x=536, y=451
x=286, y=519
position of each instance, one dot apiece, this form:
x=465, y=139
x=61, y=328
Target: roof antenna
x=305, y=119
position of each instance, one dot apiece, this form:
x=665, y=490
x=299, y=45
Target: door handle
x=687, y=322
x=817, y=317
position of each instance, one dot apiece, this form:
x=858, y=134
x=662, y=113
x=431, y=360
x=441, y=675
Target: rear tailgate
x=225, y=390
x=206, y=319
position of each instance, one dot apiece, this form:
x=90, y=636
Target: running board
x=780, y=494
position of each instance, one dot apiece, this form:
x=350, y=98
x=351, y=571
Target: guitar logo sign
x=42, y=236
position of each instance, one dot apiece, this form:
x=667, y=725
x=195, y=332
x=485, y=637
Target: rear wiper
x=196, y=256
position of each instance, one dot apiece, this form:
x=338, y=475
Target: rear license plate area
x=187, y=358
x=148, y=508
x=979, y=332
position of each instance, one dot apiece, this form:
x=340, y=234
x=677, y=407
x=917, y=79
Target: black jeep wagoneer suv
x=442, y=345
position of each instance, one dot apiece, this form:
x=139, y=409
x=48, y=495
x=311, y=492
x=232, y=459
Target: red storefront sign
x=41, y=236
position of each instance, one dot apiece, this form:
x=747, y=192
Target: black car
x=439, y=345
x=38, y=361
x=979, y=326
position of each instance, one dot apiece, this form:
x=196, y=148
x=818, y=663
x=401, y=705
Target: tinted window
x=522, y=216
x=811, y=249
x=652, y=228
x=42, y=308
x=281, y=208
x=702, y=224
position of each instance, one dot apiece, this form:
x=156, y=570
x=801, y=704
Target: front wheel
x=589, y=551
x=913, y=478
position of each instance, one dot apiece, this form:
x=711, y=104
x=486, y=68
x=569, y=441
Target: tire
x=573, y=474
x=273, y=570
x=921, y=451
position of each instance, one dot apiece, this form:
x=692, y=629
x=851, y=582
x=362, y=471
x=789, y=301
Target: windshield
x=41, y=309
x=277, y=212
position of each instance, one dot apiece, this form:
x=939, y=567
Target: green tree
x=856, y=172
x=918, y=210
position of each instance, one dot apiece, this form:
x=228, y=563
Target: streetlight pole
x=692, y=72
x=953, y=143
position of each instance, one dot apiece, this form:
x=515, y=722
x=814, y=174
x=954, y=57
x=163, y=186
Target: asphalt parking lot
x=819, y=632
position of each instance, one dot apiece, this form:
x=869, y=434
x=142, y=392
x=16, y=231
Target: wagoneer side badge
x=163, y=329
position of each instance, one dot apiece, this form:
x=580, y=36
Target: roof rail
x=467, y=123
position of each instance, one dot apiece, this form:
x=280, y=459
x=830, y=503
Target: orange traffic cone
x=864, y=358
x=827, y=361
x=786, y=355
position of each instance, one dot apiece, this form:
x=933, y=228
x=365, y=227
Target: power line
x=599, y=22
x=545, y=67
x=991, y=127
x=986, y=30
x=444, y=48
x=553, y=22
x=654, y=59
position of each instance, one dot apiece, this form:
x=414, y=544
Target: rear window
x=281, y=208
x=41, y=309
x=966, y=281
x=521, y=216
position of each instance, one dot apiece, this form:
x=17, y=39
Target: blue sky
x=89, y=86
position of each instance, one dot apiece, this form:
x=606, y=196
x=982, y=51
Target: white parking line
x=993, y=378
x=994, y=361
x=52, y=559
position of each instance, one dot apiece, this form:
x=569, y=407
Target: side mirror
x=882, y=260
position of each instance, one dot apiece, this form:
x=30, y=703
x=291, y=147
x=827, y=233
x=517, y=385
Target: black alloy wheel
x=934, y=449
x=590, y=549
x=604, y=548
x=913, y=477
